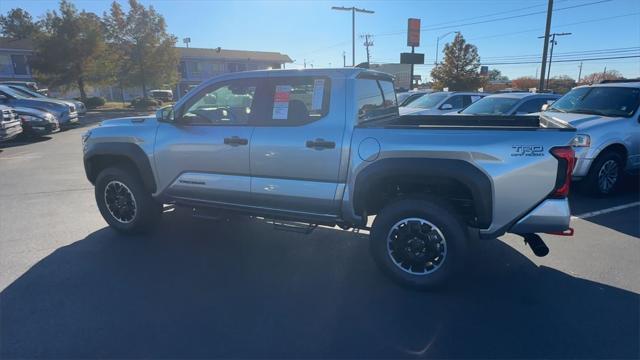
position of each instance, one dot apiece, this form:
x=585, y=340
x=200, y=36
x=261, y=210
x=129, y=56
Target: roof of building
x=234, y=54
x=22, y=44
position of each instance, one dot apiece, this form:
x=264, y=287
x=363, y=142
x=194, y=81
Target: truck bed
x=523, y=122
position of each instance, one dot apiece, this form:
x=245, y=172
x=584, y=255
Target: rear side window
x=375, y=99
x=532, y=106
x=295, y=100
x=456, y=102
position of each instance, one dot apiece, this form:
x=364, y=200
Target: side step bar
x=293, y=226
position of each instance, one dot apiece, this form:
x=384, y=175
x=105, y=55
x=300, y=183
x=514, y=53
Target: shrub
x=94, y=102
x=143, y=103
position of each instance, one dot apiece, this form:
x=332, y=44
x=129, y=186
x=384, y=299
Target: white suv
x=608, y=131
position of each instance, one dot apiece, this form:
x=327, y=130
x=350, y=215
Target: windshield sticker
x=318, y=93
x=281, y=102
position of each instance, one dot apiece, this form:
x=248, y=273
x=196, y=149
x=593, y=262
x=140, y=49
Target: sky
x=505, y=31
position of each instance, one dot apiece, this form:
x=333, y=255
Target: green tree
x=495, y=74
x=18, y=24
x=146, y=52
x=459, y=71
x=71, y=49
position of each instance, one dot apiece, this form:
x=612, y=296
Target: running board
x=293, y=226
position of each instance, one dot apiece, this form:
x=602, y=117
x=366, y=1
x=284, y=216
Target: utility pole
x=547, y=30
x=305, y=63
x=604, y=73
x=344, y=59
x=368, y=41
x=353, y=10
x=553, y=43
x=579, y=73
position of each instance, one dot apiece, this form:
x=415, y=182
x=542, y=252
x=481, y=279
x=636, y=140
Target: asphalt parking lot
x=73, y=288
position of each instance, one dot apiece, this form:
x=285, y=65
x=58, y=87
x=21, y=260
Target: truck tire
x=418, y=243
x=124, y=202
x=604, y=174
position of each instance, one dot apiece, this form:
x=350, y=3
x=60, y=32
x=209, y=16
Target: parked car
x=608, y=126
x=439, y=103
x=162, y=95
x=28, y=84
x=523, y=103
x=275, y=144
x=10, y=126
x=64, y=112
x=37, y=122
x=80, y=108
x=404, y=98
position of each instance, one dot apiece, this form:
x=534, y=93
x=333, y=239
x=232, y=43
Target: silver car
x=80, y=108
x=440, y=103
x=608, y=132
x=508, y=104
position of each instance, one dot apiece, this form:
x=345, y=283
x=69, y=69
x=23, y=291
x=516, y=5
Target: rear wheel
x=124, y=202
x=605, y=174
x=419, y=243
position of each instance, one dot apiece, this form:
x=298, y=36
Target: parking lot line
x=605, y=211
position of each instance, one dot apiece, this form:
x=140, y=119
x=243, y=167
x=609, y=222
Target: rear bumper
x=552, y=215
x=10, y=132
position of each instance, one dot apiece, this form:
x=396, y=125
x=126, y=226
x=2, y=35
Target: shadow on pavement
x=202, y=289
x=22, y=140
x=624, y=221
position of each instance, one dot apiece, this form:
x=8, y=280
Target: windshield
x=9, y=91
x=428, y=101
x=27, y=92
x=604, y=101
x=491, y=106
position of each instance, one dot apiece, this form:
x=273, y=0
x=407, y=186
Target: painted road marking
x=606, y=211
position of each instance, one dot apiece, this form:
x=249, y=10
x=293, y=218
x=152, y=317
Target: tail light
x=566, y=161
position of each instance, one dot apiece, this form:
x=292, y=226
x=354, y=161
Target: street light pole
x=438, y=43
x=353, y=10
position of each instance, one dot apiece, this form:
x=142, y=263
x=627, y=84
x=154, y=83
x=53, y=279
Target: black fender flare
x=131, y=152
x=462, y=171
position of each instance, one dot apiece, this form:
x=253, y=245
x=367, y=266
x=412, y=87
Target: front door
x=204, y=154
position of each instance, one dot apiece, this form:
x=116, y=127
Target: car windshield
x=599, y=100
x=491, y=106
x=27, y=92
x=11, y=92
x=428, y=101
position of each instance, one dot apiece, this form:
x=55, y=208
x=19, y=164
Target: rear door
x=296, y=149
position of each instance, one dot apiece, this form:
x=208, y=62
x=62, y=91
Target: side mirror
x=446, y=107
x=544, y=107
x=165, y=114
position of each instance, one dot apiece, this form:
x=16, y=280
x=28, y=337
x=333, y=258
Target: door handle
x=235, y=141
x=319, y=144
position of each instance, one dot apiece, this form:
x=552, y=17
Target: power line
x=564, y=60
x=497, y=19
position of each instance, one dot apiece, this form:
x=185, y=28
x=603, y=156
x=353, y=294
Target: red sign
x=413, y=32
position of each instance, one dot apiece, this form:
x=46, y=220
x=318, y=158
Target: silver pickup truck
x=328, y=147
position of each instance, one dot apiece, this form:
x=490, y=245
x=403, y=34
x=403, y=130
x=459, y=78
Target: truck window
x=456, y=102
x=531, y=106
x=375, y=99
x=227, y=104
x=296, y=100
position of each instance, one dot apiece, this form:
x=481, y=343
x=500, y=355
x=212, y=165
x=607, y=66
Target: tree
x=495, y=74
x=460, y=68
x=146, y=52
x=524, y=83
x=71, y=48
x=561, y=84
x=17, y=24
x=599, y=76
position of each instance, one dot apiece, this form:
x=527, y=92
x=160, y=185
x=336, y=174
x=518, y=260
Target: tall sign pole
x=413, y=40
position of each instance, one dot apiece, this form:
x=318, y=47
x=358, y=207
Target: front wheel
x=605, y=174
x=419, y=243
x=124, y=202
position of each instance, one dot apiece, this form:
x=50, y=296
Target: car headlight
x=581, y=140
x=30, y=118
x=86, y=136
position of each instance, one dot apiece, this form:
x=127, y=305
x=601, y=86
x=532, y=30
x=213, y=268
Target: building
x=196, y=65
x=400, y=72
x=14, y=59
